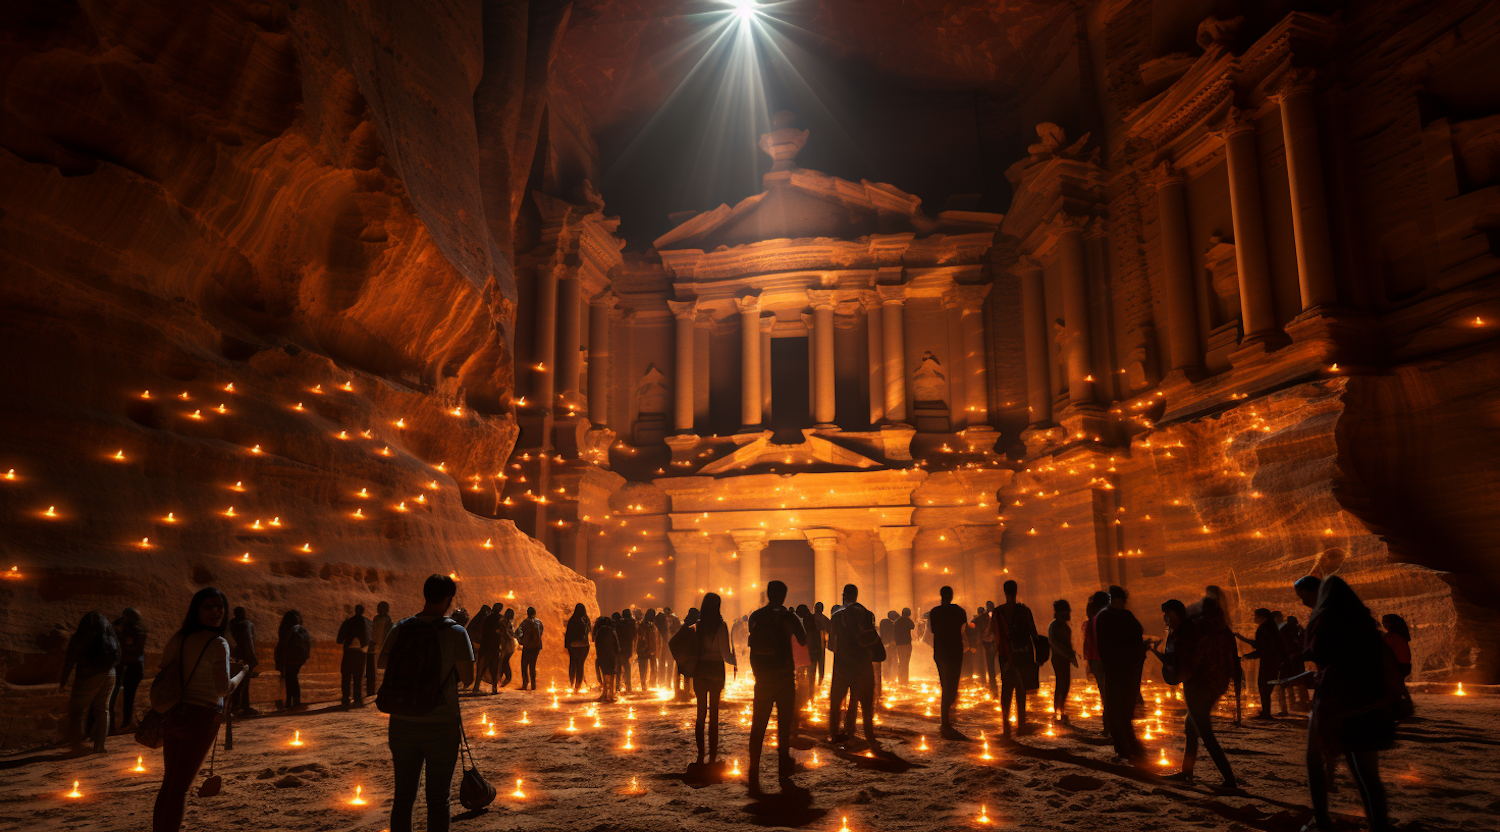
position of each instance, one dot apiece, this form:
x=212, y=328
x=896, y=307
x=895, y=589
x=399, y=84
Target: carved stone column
x=765, y=324
x=749, y=543
x=1075, y=292
x=893, y=343
x=969, y=301
x=569, y=341
x=544, y=346
x=690, y=558
x=898, y=565
x=1257, y=305
x=600, y=369
x=876, y=361
x=750, y=373
x=682, y=385
x=1182, y=304
x=1304, y=170
x=824, y=543
x=821, y=301
x=1038, y=362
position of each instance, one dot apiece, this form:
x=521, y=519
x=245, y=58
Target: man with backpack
x=856, y=647
x=626, y=632
x=529, y=634
x=1015, y=635
x=772, y=629
x=356, y=635
x=426, y=658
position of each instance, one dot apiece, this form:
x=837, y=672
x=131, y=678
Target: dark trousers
x=351, y=668
x=1365, y=766
x=127, y=679
x=577, y=654
x=903, y=664
x=625, y=670
x=1263, y=686
x=1062, y=680
x=860, y=687
x=1200, y=708
x=369, y=674
x=1012, y=685
x=415, y=745
x=293, y=684
x=646, y=663
x=239, y=700
x=773, y=689
x=187, y=735
x=1097, y=668
x=819, y=656
x=505, y=673
x=708, y=693
x=950, y=669
x=1122, y=690
x=528, y=666
x=990, y=658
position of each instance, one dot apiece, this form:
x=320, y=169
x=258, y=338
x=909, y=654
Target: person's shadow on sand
x=792, y=806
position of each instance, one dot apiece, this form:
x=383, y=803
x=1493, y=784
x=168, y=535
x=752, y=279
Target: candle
x=986, y=755
x=844, y=824
x=1162, y=760
x=923, y=745
x=296, y=739
x=628, y=733
x=984, y=814
x=524, y=720
x=139, y=765
x=734, y=771
x=75, y=793
x=120, y=455
x=518, y=793
x=571, y=727
x=359, y=799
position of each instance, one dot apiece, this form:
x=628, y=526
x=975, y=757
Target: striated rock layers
x=276, y=220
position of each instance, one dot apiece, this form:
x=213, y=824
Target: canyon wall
x=256, y=312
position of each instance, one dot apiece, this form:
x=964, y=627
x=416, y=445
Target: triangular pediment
x=813, y=451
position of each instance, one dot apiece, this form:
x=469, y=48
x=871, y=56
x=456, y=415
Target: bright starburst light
x=746, y=9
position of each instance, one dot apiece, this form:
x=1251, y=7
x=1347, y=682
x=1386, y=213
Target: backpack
x=414, y=681
x=299, y=647
x=684, y=647
x=531, y=634
x=770, y=645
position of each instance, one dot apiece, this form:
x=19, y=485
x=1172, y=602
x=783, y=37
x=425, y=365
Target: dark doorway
x=790, y=407
x=791, y=562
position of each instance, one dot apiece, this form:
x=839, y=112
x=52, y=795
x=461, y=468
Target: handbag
x=166, y=695
x=213, y=783
x=474, y=792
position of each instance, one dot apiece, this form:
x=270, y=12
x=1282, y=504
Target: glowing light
x=51, y=511
x=343, y=434
x=75, y=793
x=629, y=732
x=296, y=741
x=255, y=450
x=844, y=824
x=140, y=765
x=571, y=726
x=487, y=544
x=518, y=794
x=239, y=486
x=359, y=514
x=984, y=814
x=306, y=548
x=986, y=754
x=922, y=746
x=745, y=10
x=1162, y=760
x=170, y=518
x=347, y=387
x=120, y=455
x=276, y=521
x=145, y=543
x=524, y=720
x=364, y=493
x=146, y=394
x=1459, y=693
x=229, y=388
x=359, y=799
x=11, y=474
x=245, y=558
x=734, y=770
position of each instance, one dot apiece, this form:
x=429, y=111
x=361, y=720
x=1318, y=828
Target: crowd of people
x=1357, y=675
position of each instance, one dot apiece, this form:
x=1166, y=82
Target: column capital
x=683, y=309
x=820, y=299
x=897, y=537
x=1165, y=175
x=1296, y=80
x=1095, y=228
x=869, y=299
x=767, y=323
x=1064, y=223
x=690, y=542
x=748, y=303
x=1235, y=122
x=891, y=294
x=606, y=299
x=749, y=540
x=807, y=320
x=704, y=318
x=1026, y=263
x=968, y=297
x=822, y=539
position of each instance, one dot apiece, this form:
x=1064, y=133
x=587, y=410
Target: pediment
x=813, y=451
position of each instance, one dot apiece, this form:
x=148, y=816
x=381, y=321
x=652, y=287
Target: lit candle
x=296, y=740
x=518, y=793
x=984, y=814
x=120, y=455
x=1461, y=689
x=629, y=732
x=1162, y=760
x=245, y=558
x=75, y=793
x=571, y=727
x=734, y=770
x=51, y=511
x=145, y=543
x=359, y=799
x=307, y=548
x=140, y=765
x=923, y=745
x=524, y=720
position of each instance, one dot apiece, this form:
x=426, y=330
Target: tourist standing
x=606, y=651
x=1015, y=633
x=1398, y=640
x=354, y=635
x=242, y=649
x=646, y=643
x=1122, y=651
x=576, y=637
x=93, y=652
x=1064, y=659
x=1291, y=645
x=421, y=695
x=771, y=630
x=626, y=630
x=130, y=631
x=1196, y=655
x=199, y=654
x=852, y=636
x=819, y=654
x=507, y=646
x=1096, y=602
x=293, y=649
x=380, y=629
x=1270, y=657
x=714, y=652
x=530, y=639
x=903, y=632
x=989, y=648
x=947, y=622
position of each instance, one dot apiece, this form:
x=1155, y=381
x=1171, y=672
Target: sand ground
x=1444, y=774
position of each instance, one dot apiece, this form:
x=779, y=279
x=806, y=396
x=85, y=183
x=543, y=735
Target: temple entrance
x=791, y=403
x=791, y=562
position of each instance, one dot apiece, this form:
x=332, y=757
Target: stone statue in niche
x=784, y=142
x=929, y=384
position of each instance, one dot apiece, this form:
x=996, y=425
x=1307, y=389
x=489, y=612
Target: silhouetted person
x=1194, y=655
x=886, y=670
x=1064, y=658
x=1015, y=632
x=293, y=649
x=380, y=629
x=130, y=631
x=1122, y=651
x=771, y=631
x=802, y=657
x=1096, y=602
x=948, y=621
x=989, y=649
x=647, y=640
x=427, y=658
x=1269, y=651
x=852, y=637
x=1351, y=713
x=606, y=657
x=507, y=645
x=714, y=652
x=198, y=654
x=666, y=627
x=355, y=636
x=625, y=629
x=1398, y=640
x=529, y=636
x=820, y=652
x=1292, y=646
x=576, y=637
x=242, y=648
x=903, y=631
x=487, y=651
x=93, y=651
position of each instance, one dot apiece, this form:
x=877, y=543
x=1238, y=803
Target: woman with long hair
x=293, y=649
x=93, y=651
x=1352, y=711
x=1398, y=639
x=130, y=629
x=714, y=652
x=576, y=639
x=606, y=657
x=199, y=654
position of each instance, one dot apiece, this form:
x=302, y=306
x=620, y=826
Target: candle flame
x=359, y=799
x=524, y=719
x=51, y=511
x=1461, y=689
x=518, y=792
x=75, y=792
x=120, y=455
x=984, y=813
x=296, y=739
x=139, y=764
x=245, y=558
x=923, y=745
x=735, y=770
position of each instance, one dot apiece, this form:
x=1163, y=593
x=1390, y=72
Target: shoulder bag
x=474, y=792
x=166, y=695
